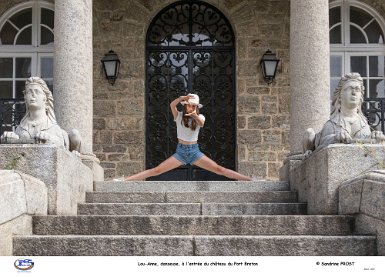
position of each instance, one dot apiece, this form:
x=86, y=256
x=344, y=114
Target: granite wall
x=262, y=110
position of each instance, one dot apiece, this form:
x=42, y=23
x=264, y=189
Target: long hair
x=336, y=102
x=187, y=121
x=49, y=108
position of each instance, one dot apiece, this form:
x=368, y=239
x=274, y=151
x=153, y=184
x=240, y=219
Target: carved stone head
x=349, y=94
x=30, y=85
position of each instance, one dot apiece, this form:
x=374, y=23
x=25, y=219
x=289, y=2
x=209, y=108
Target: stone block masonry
x=65, y=176
x=364, y=198
x=21, y=196
x=186, y=219
x=262, y=110
x=318, y=177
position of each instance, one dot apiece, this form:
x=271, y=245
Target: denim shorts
x=187, y=153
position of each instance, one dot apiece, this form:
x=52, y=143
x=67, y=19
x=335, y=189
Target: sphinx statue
x=347, y=123
x=39, y=123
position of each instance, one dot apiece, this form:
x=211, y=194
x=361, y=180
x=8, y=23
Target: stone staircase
x=193, y=219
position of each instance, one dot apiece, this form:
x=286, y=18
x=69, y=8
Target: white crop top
x=185, y=133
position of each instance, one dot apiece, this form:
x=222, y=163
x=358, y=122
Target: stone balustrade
x=65, y=176
x=318, y=177
x=365, y=197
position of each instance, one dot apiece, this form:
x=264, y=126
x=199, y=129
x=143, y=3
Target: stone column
x=73, y=68
x=309, y=68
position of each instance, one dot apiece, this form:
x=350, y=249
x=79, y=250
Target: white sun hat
x=192, y=101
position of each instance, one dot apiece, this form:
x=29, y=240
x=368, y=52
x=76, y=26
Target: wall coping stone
x=65, y=176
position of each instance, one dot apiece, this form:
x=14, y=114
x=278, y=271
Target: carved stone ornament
x=347, y=123
x=39, y=123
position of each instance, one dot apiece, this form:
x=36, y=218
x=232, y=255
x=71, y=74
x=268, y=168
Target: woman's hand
x=199, y=120
x=185, y=97
x=175, y=102
x=193, y=114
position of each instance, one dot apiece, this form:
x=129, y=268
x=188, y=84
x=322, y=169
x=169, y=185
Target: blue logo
x=24, y=264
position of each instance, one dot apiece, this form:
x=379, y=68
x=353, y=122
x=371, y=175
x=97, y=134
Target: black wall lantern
x=269, y=65
x=111, y=64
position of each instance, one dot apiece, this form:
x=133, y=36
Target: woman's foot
x=119, y=179
x=256, y=178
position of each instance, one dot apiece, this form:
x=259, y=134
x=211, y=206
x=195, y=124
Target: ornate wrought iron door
x=190, y=47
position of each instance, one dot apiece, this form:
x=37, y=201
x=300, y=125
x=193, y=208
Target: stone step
x=192, y=197
x=193, y=225
x=194, y=245
x=188, y=186
x=191, y=209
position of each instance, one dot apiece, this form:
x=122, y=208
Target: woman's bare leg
x=210, y=165
x=163, y=167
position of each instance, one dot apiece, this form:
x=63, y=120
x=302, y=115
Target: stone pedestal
x=288, y=163
x=309, y=68
x=318, y=177
x=65, y=176
x=21, y=196
x=97, y=170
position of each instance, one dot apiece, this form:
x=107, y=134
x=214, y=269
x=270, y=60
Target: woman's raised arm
x=175, y=102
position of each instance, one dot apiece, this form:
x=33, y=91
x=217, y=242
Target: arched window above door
x=352, y=24
x=26, y=46
x=31, y=23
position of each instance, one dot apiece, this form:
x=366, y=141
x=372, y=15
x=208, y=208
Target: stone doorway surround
x=262, y=122
x=188, y=52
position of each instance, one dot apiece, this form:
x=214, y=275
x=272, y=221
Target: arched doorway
x=190, y=47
